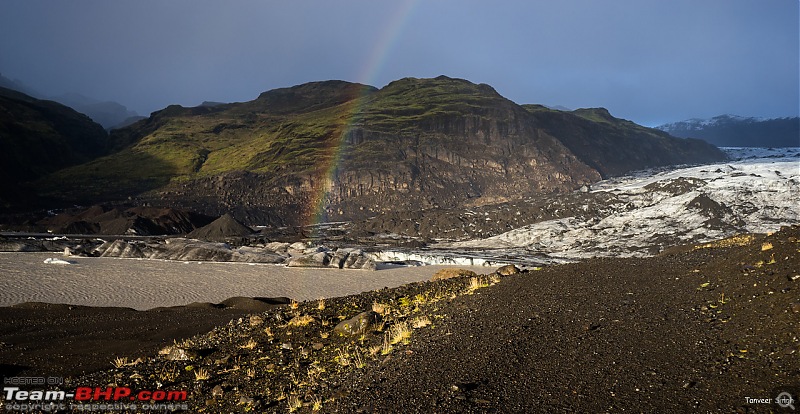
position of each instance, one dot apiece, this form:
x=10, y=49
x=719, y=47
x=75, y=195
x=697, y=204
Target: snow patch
x=52, y=260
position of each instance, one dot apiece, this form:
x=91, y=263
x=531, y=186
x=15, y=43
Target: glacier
x=755, y=192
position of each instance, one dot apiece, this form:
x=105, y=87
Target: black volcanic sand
x=56, y=340
x=694, y=329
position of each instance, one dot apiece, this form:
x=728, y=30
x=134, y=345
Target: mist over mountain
x=109, y=114
x=38, y=137
x=17, y=85
x=737, y=131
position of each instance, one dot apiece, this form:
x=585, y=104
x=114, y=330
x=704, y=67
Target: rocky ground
x=697, y=328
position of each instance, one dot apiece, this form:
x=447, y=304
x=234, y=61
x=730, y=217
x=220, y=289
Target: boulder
x=297, y=247
x=359, y=324
x=277, y=247
x=339, y=257
x=356, y=259
x=507, y=270
x=80, y=250
x=451, y=273
x=315, y=249
x=320, y=259
x=176, y=353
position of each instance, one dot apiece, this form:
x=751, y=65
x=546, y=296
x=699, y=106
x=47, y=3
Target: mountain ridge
x=335, y=150
x=738, y=131
x=38, y=137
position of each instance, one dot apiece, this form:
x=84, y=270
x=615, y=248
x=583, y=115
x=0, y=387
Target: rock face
x=414, y=144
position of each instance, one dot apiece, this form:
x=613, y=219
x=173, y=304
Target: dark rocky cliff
x=616, y=146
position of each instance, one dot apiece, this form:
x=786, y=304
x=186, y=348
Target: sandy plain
x=145, y=284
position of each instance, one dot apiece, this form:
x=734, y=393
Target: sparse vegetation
x=738, y=240
x=291, y=355
x=302, y=320
x=294, y=403
x=201, y=374
x=420, y=322
x=343, y=358
x=120, y=362
x=476, y=283
x=399, y=332
x=250, y=344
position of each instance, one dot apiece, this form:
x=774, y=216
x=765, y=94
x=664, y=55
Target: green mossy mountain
x=614, y=146
x=343, y=151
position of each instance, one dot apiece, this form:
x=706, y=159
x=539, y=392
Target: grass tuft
x=420, y=322
x=294, y=403
x=120, y=362
x=202, y=374
x=399, y=332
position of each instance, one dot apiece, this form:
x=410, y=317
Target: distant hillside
x=39, y=137
x=343, y=151
x=16, y=85
x=736, y=131
x=108, y=114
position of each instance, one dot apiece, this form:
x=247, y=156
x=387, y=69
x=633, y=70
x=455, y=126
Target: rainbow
x=315, y=213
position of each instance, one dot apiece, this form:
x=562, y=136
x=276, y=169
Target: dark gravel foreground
x=692, y=330
x=611, y=335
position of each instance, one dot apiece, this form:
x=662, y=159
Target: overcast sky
x=651, y=61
